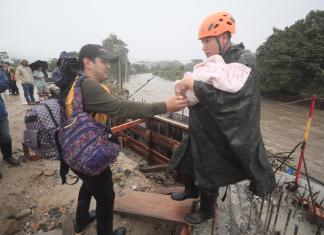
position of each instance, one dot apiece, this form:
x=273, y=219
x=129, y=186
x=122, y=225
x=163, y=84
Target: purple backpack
x=86, y=145
x=42, y=122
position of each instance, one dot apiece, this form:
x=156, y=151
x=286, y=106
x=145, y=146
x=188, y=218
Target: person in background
x=39, y=81
x=6, y=68
x=24, y=74
x=5, y=137
x=14, y=88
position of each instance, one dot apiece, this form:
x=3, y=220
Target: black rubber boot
x=83, y=217
x=6, y=150
x=184, y=195
x=191, y=190
x=206, y=210
x=120, y=231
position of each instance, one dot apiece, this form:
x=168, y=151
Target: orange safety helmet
x=216, y=24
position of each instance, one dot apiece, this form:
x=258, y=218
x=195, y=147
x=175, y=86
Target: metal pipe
x=302, y=173
x=296, y=207
x=261, y=208
x=306, y=135
x=296, y=229
x=141, y=87
x=270, y=217
x=267, y=214
x=287, y=222
x=277, y=213
x=286, y=158
x=250, y=214
x=311, y=194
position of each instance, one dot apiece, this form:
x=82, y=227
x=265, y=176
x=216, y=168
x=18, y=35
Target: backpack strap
x=51, y=115
x=77, y=104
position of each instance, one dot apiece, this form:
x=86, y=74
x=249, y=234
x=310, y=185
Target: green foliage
x=291, y=61
x=172, y=70
x=52, y=64
x=74, y=54
x=16, y=63
x=139, y=68
x=118, y=48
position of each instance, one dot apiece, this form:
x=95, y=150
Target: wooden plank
x=126, y=125
x=138, y=149
x=159, y=157
x=139, y=131
x=152, y=205
x=172, y=122
x=154, y=168
x=129, y=139
x=161, y=140
x=144, y=149
x=68, y=225
x=164, y=141
x=186, y=230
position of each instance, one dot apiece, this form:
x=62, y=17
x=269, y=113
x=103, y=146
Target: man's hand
x=176, y=103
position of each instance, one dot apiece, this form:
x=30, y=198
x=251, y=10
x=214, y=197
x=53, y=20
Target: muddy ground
x=32, y=199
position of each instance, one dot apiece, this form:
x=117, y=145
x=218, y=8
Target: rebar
x=267, y=214
x=296, y=229
x=270, y=216
x=287, y=222
x=250, y=214
x=277, y=213
x=261, y=208
x=311, y=194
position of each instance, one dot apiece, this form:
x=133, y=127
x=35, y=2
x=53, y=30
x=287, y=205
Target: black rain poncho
x=224, y=143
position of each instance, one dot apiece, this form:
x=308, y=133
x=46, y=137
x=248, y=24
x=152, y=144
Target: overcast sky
x=153, y=29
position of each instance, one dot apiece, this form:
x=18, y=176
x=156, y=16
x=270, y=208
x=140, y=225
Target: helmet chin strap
x=222, y=49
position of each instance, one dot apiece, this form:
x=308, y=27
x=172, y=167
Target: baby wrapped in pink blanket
x=214, y=71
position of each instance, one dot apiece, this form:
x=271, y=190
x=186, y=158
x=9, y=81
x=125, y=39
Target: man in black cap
x=95, y=65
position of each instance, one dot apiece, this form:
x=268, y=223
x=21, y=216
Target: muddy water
x=282, y=125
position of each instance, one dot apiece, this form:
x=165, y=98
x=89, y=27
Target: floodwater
x=282, y=125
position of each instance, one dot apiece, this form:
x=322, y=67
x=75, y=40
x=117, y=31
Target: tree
x=139, y=68
x=172, y=70
x=291, y=61
x=52, y=64
x=74, y=54
x=16, y=63
x=118, y=48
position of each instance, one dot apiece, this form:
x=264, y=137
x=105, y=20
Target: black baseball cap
x=93, y=51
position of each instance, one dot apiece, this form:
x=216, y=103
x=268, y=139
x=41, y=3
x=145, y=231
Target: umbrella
x=38, y=63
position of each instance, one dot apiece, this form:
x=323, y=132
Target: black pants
x=101, y=188
x=13, y=87
x=5, y=139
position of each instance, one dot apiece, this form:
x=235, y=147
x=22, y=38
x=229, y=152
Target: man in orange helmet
x=224, y=143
